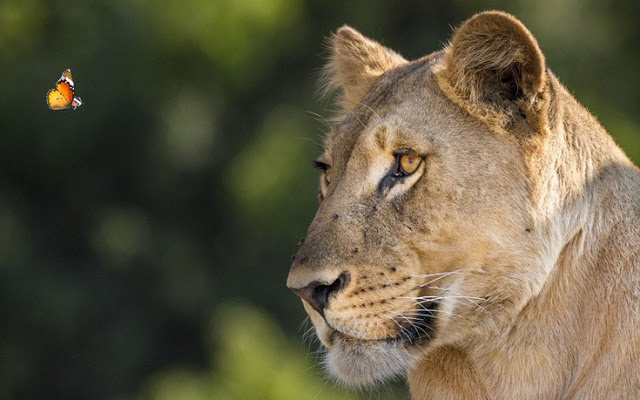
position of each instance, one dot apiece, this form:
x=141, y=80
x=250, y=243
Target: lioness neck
x=573, y=157
x=564, y=340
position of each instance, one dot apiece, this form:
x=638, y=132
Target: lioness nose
x=317, y=293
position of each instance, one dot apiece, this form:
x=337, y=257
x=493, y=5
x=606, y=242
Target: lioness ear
x=495, y=69
x=355, y=63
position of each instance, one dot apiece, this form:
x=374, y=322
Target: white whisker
x=437, y=279
x=457, y=271
x=421, y=305
x=462, y=296
x=418, y=316
x=457, y=293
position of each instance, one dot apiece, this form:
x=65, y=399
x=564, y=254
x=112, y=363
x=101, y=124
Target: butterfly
x=62, y=97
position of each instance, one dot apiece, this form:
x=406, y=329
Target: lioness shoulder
x=478, y=230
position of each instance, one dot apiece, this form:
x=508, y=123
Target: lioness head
x=430, y=228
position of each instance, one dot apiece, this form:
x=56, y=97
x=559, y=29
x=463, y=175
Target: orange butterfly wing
x=66, y=88
x=62, y=97
x=56, y=100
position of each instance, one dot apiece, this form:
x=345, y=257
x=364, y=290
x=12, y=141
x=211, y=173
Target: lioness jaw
x=477, y=228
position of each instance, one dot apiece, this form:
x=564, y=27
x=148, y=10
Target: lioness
x=477, y=230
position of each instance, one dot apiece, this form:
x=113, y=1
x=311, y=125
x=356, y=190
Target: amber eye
x=408, y=164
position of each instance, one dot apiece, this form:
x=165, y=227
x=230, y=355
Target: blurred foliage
x=253, y=360
x=183, y=182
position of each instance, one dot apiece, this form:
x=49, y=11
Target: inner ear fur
x=355, y=63
x=494, y=68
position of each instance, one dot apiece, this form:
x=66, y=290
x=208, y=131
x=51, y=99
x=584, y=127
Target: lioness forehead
x=383, y=106
x=405, y=108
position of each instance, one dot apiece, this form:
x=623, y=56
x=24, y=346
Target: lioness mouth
x=413, y=328
x=420, y=327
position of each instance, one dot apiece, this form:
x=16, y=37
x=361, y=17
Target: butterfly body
x=62, y=97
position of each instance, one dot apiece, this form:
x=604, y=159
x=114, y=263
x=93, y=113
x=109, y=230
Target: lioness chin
x=477, y=230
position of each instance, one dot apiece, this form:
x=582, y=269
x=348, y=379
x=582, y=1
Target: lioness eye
x=326, y=171
x=327, y=176
x=408, y=164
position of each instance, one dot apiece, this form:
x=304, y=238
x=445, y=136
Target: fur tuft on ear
x=354, y=65
x=495, y=69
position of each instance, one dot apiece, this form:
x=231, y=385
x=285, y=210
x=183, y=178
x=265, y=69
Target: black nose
x=317, y=293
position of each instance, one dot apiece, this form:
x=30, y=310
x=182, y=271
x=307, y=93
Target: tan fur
x=355, y=64
x=518, y=235
x=483, y=52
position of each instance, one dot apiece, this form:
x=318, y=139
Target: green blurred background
x=145, y=238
